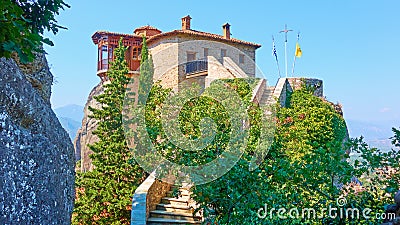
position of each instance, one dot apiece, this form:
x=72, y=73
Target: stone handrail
x=280, y=91
x=234, y=68
x=146, y=197
x=258, y=91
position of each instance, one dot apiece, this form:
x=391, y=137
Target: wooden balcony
x=102, y=64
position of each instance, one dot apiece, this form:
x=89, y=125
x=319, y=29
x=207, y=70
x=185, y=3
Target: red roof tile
x=147, y=27
x=97, y=35
x=201, y=34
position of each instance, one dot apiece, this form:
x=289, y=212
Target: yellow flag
x=298, y=51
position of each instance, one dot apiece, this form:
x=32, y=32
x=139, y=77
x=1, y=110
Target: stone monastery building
x=181, y=55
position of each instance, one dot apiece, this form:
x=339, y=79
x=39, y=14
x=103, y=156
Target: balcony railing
x=196, y=66
x=102, y=64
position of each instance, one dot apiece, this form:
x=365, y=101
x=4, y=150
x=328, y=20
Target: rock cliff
x=84, y=135
x=36, y=154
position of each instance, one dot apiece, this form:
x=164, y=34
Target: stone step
x=184, y=186
x=180, y=193
x=182, y=197
x=175, y=201
x=174, y=208
x=268, y=92
x=174, y=215
x=163, y=221
x=266, y=98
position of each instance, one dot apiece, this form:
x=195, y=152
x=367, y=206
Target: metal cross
x=285, y=31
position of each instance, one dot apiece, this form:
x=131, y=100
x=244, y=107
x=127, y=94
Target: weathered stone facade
x=36, y=155
x=176, y=49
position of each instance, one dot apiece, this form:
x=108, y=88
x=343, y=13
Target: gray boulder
x=36, y=154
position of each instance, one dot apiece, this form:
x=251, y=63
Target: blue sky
x=353, y=46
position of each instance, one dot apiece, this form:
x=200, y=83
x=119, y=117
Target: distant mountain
x=70, y=117
x=74, y=112
x=70, y=125
x=376, y=134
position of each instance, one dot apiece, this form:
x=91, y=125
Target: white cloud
x=383, y=110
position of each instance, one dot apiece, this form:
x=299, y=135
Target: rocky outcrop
x=38, y=74
x=84, y=136
x=36, y=154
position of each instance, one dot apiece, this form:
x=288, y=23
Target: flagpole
x=294, y=60
x=285, y=31
x=276, y=56
x=286, y=56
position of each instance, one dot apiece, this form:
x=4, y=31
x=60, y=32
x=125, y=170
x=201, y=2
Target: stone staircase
x=175, y=208
x=267, y=98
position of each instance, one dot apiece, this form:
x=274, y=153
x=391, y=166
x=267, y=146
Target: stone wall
x=286, y=85
x=166, y=49
x=36, y=155
x=281, y=91
x=188, y=44
x=170, y=79
x=259, y=91
x=146, y=197
x=234, y=68
x=216, y=71
x=175, y=49
x=296, y=83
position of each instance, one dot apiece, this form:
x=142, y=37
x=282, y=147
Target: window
x=136, y=53
x=191, y=56
x=223, y=53
x=241, y=58
x=110, y=54
x=205, y=52
x=104, y=52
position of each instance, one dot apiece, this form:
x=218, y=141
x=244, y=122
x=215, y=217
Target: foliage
x=146, y=73
x=308, y=165
x=23, y=23
x=190, y=119
x=190, y=123
x=104, y=194
x=396, y=137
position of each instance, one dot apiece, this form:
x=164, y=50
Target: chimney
x=186, y=22
x=226, y=31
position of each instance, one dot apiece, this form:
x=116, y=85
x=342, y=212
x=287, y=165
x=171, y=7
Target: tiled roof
x=147, y=27
x=201, y=34
x=98, y=34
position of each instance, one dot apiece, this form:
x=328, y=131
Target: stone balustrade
x=146, y=197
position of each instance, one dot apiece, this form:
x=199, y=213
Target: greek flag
x=274, y=49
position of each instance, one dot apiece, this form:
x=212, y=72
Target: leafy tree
x=396, y=137
x=146, y=73
x=23, y=23
x=227, y=193
x=104, y=194
x=306, y=167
